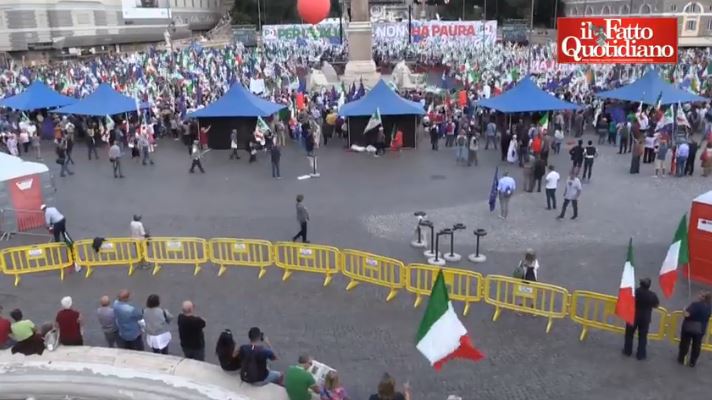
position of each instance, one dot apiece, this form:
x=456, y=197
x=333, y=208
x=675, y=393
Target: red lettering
x=435, y=30
x=469, y=30
x=424, y=31
x=461, y=30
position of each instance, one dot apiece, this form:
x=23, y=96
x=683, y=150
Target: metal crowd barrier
x=113, y=252
x=15, y=221
x=463, y=285
x=175, y=250
x=303, y=257
x=526, y=297
x=23, y=260
x=598, y=311
x=590, y=310
x=226, y=252
x=360, y=266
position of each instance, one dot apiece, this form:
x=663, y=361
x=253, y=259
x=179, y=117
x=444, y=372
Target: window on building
x=709, y=25
x=193, y=3
x=673, y=7
x=625, y=9
x=691, y=25
x=574, y=11
x=646, y=9
x=692, y=8
x=185, y=3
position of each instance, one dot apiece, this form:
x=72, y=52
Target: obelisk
x=360, y=65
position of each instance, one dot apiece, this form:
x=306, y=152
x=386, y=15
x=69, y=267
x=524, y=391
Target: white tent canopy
x=12, y=167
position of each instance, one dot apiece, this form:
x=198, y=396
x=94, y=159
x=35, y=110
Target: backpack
x=507, y=192
x=249, y=370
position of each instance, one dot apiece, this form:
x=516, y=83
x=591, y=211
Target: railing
x=590, y=310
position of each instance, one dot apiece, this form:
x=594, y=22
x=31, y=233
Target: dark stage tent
x=236, y=109
x=35, y=97
x=103, y=101
x=395, y=111
x=648, y=89
x=526, y=96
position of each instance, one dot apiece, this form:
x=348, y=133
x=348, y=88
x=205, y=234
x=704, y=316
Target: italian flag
x=677, y=256
x=441, y=336
x=625, y=305
x=544, y=122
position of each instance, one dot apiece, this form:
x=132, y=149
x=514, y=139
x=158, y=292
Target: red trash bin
x=700, y=239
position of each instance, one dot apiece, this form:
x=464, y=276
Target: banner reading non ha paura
x=617, y=40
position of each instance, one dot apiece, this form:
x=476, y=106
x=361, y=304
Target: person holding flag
x=635, y=307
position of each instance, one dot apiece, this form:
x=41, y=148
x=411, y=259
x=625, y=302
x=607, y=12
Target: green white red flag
x=441, y=336
x=625, y=305
x=677, y=256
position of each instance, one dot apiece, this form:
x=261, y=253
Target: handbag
x=692, y=327
x=60, y=161
x=519, y=271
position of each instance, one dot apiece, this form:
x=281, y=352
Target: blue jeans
x=64, y=168
x=146, y=156
x=272, y=377
x=275, y=169
x=680, y=166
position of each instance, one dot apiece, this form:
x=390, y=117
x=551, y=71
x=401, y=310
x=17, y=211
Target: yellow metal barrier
x=675, y=323
x=114, y=252
x=371, y=268
x=23, y=260
x=227, y=252
x=598, y=311
x=534, y=298
x=176, y=250
x=305, y=257
x=463, y=285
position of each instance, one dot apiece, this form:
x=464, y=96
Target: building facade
x=60, y=24
x=694, y=17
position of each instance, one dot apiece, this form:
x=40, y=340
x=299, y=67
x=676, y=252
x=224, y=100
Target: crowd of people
x=128, y=326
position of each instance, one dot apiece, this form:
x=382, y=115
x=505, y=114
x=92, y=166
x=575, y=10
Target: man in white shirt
x=572, y=191
x=552, y=182
x=505, y=188
x=139, y=232
x=55, y=221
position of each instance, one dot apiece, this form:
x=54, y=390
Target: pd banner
x=26, y=196
x=475, y=32
x=617, y=40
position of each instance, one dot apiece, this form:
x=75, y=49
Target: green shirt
x=22, y=330
x=298, y=382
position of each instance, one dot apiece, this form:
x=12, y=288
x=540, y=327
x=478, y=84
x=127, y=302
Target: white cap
x=66, y=302
x=43, y=206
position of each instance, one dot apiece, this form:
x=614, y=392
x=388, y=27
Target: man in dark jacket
x=645, y=301
x=576, y=154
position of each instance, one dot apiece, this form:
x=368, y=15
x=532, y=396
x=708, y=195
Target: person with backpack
x=253, y=360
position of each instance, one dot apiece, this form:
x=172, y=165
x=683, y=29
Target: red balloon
x=313, y=11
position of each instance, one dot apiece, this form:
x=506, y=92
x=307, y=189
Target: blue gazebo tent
x=395, y=112
x=526, y=96
x=103, y=101
x=648, y=88
x=236, y=109
x=36, y=96
x=238, y=102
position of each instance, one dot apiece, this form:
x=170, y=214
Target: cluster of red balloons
x=313, y=11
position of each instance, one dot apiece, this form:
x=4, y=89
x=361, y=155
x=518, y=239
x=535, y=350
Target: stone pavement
x=366, y=203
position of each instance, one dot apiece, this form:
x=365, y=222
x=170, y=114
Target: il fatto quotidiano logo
x=617, y=40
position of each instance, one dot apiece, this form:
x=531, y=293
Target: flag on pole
x=625, y=305
x=374, y=121
x=677, y=256
x=666, y=120
x=441, y=336
x=659, y=101
x=262, y=126
x=493, y=190
x=681, y=118
x=544, y=123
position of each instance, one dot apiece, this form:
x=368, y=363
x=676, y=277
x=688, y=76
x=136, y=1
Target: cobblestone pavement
x=366, y=203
